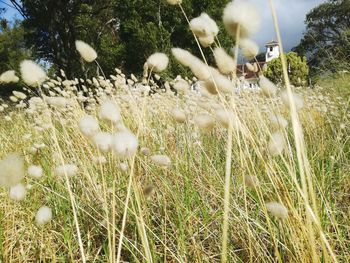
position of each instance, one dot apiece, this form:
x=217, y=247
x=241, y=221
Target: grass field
x=174, y=214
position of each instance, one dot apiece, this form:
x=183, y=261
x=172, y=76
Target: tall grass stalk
x=304, y=166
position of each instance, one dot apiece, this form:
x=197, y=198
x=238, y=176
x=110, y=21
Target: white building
x=272, y=50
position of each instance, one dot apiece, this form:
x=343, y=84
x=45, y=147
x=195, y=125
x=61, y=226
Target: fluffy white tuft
x=19, y=95
x=66, y=169
x=268, y=88
x=277, y=144
x=225, y=118
x=86, y=51
x=110, y=111
x=241, y=13
x=103, y=141
x=99, y=159
x=35, y=171
x=124, y=166
x=58, y=102
x=11, y=170
x=88, y=125
x=249, y=48
x=18, y=192
x=298, y=100
x=43, y=216
x=251, y=181
x=218, y=82
x=277, y=209
x=204, y=28
x=145, y=151
x=161, y=160
x=277, y=121
x=124, y=144
x=174, y=2
x=205, y=122
x=8, y=77
x=225, y=62
x=158, y=62
x=181, y=86
x=198, y=68
x=178, y=115
x=32, y=74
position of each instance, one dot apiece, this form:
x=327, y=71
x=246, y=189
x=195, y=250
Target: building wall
x=270, y=55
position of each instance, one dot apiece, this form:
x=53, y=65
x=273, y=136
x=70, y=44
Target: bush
x=297, y=68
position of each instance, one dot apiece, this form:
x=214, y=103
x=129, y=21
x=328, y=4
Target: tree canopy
x=326, y=41
x=124, y=33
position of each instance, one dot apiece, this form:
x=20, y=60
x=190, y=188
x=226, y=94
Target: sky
x=291, y=15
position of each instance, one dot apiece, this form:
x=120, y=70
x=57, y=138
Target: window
x=271, y=48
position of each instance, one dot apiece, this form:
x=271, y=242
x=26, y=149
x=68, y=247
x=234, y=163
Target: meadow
x=103, y=170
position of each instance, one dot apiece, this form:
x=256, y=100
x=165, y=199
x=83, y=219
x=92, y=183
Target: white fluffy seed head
x=251, y=181
x=205, y=122
x=88, y=125
x=183, y=56
x=250, y=67
x=11, y=170
x=18, y=192
x=182, y=86
x=198, y=68
x=158, y=62
x=32, y=74
x=298, y=100
x=85, y=51
x=225, y=62
x=161, y=160
x=35, y=171
x=178, y=115
x=145, y=151
x=241, y=13
x=43, y=215
x=99, y=159
x=19, y=95
x=277, y=143
x=249, y=48
x=204, y=26
x=66, y=169
x=110, y=111
x=123, y=166
x=103, y=141
x=218, y=82
x=277, y=121
x=267, y=87
x=8, y=77
x=225, y=118
x=206, y=41
x=174, y=2
x=58, y=102
x=277, y=209
x=124, y=144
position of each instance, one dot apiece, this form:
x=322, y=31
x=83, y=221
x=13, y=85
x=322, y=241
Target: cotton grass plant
x=103, y=170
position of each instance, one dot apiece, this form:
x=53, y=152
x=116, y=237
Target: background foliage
x=297, y=68
x=124, y=33
x=326, y=41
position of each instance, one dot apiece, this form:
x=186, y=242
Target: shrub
x=297, y=68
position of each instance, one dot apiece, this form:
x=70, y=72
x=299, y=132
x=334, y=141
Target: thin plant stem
x=228, y=168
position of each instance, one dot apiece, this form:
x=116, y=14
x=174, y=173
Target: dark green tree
x=12, y=50
x=326, y=42
x=154, y=25
x=123, y=32
x=53, y=26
